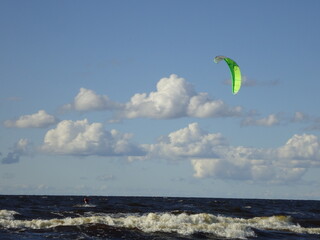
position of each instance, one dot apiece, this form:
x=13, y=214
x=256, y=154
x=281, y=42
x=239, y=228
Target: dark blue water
x=67, y=217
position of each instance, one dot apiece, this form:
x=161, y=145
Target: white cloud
x=169, y=101
x=176, y=98
x=82, y=138
x=88, y=100
x=274, y=119
x=41, y=119
x=271, y=120
x=202, y=106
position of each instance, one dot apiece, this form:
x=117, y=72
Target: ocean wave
x=182, y=223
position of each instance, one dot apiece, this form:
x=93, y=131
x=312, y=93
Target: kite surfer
x=86, y=200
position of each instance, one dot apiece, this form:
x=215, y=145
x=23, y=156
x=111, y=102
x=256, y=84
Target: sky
x=122, y=98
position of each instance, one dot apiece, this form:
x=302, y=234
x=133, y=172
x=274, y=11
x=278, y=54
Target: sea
x=68, y=217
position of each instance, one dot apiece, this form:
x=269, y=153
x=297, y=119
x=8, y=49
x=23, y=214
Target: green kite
x=235, y=72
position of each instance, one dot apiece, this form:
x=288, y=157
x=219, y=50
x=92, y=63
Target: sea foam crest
x=185, y=224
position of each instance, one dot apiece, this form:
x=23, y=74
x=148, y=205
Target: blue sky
x=123, y=98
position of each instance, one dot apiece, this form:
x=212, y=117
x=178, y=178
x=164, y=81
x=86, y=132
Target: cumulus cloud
x=41, y=119
x=301, y=147
x=220, y=168
x=175, y=98
x=212, y=156
x=187, y=142
x=169, y=101
x=22, y=147
x=88, y=100
x=284, y=164
x=82, y=138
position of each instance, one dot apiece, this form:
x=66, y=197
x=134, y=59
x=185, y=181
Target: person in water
x=86, y=200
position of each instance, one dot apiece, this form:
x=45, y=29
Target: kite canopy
x=235, y=72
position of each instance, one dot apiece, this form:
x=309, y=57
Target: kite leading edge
x=235, y=72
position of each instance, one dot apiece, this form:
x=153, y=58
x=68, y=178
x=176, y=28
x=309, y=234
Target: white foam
x=183, y=223
x=7, y=214
x=85, y=205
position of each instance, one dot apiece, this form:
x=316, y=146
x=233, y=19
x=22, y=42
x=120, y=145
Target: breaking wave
x=182, y=223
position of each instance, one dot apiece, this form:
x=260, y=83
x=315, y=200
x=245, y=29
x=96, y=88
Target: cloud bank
x=174, y=98
x=211, y=156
